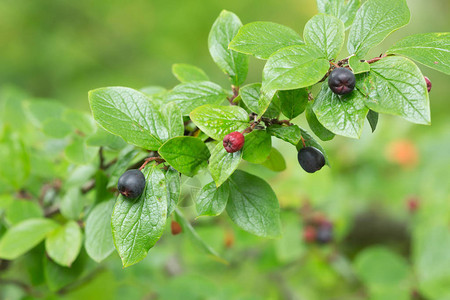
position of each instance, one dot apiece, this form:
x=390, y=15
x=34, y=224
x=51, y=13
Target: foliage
x=64, y=167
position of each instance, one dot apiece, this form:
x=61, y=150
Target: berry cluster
x=318, y=229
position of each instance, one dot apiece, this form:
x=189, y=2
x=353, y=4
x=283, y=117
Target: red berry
x=428, y=83
x=309, y=234
x=233, y=142
x=175, y=227
x=413, y=204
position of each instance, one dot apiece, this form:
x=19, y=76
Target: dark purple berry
x=324, y=234
x=233, y=142
x=428, y=83
x=311, y=159
x=341, y=81
x=131, y=184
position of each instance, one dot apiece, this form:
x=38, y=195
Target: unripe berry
x=311, y=159
x=131, y=184
x=341, y=81
x=428, y=83
x=233, y=142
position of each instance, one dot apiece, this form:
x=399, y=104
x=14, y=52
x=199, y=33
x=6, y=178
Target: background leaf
x=294, y=67
x=138, y=224
x=253, y=206
x=262, y=39
x=275, y=161
x=326, y=33
x=222, y=164
x=430, y=49
x=230, y=62
x=23, y=236
x=130, y=115
x=186, y=73
x=217, y=121
x=374, y=21
x=99, y=241
x=64, y=243
x=191, y=95
x=396, y=86
x=212, y=200
x=185, y=154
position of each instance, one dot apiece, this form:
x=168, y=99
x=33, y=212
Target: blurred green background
x=62, y=49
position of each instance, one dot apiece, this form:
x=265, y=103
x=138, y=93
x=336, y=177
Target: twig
x=149, y=159
x=375, y=59
x=235, y=90
x=88, y=186
x=25, y=287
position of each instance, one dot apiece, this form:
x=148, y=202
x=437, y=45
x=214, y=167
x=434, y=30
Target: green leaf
x=198, y=241
x=14, y=154
x=257, y=146
x=186, y=154
x=186, y=73
x=396, y=86
x=212, y=200
x=230, y=62
x=432, y=260
x=20, y=210
x=102, y=138
x=357, y=65
x=138, y=224
x=64, y=243
x=294, y=67
x=129, y=114
x=173, y=184
x=430, y=49
x=380, y=267
x=153, y=90
x=253, y=206
x=23, y=236
x=275, y=161
x=374, y=21
x=290, y=134
x=188, y=96
x=262, y=39
x=342, y=115
x=173, y=119
x=372, y=117
x=293, y=102
x=343, y=9
x=250, y=95
x=72, y=203
x=78, y=152
x=42, y=110
x=99, y=241
x=58, y=276
x=318, y=129
x=327, y=33
x=80, y=120
x=222, y=164
x=56, y=128
x=217, y=121
x=311, y=142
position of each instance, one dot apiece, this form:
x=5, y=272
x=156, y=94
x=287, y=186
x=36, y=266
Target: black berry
x=233, y=142
x=341, y=81
x=311, y=159
x=131, y=184
x=428, y=83
x=324, y=234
